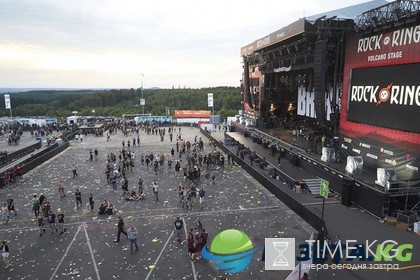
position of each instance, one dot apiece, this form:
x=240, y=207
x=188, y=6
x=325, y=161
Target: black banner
x=387, y=96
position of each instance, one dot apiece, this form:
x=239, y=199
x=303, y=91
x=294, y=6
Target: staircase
x=314, y=186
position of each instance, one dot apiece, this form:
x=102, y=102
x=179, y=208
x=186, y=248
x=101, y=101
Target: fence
x=311, y=218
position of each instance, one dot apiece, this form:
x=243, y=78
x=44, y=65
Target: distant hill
x=60, y=102
x=17, y=90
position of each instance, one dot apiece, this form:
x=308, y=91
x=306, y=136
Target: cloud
x=195, y=43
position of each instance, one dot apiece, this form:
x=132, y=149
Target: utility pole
x=142, y=101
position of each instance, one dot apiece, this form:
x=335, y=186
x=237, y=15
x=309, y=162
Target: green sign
x=324, y=188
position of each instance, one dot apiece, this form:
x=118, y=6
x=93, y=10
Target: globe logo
x=230, y=251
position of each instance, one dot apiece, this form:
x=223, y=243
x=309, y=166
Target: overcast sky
x=111, y=44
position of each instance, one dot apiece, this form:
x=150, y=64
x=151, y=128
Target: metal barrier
x=20, y=153
x=38, y=158
x=311, y=218
x=69, y=135
x=363, y=195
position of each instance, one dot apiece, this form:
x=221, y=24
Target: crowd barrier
x=270, y=184
x=37, y=159
x=20, y=153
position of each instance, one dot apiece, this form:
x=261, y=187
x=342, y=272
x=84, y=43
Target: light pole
x=142, y=101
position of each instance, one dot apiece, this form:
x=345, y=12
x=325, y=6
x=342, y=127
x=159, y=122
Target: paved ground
x=87, y=250
x=351, y=223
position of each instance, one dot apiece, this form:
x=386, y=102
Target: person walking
x=179, y=224
x=5, y=253
x=120, y=226
x=132, y=234
x=78, y=196
x=155, y=188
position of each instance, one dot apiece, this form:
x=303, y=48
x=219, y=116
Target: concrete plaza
x=87, y=250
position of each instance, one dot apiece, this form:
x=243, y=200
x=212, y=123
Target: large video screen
x=387, y=96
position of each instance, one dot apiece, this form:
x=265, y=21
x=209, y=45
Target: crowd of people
x=186, y=160
x=46, y=217
x=12, y=175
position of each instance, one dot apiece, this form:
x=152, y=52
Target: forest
x=116, y=102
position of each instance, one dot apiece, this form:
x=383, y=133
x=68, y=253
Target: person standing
x=204, y=238
x=155, y=187
x=142, y=159
x=78, y=196
x=179, y=224
x=74, y=170
x=60, y=219
x=124, y=185
x=35, y=205
x=177, y=167
x=5, y=253
x=132, y=234
x=140, y=186
x=5, y=214
x=114, y=182
x=42, y=198
x=201, y=195
x=338, y=247
x=190, y=244
x=198, y=245
x=91, y=202
x=51, y=222
x=40, y=220
x=120, y=226
x=61, y=189
x=11, y=206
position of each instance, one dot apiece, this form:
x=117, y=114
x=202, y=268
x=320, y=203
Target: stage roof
x=350, y=12
x=302, y=25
